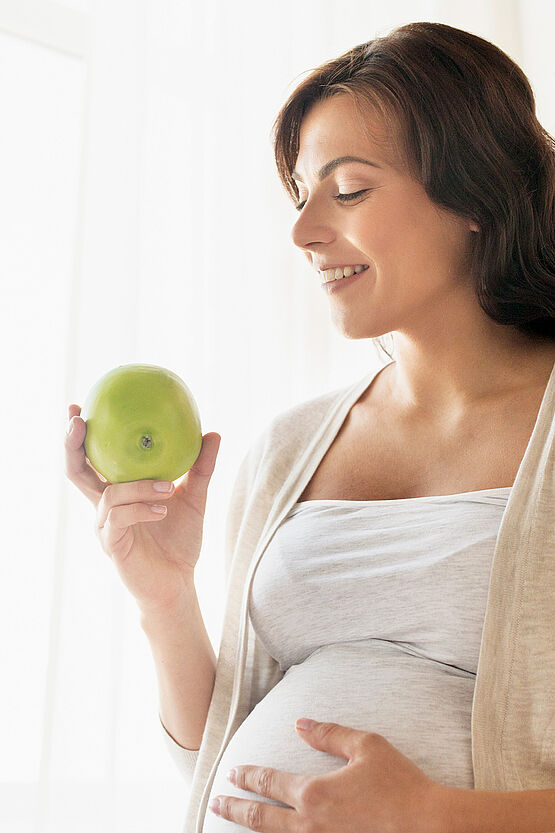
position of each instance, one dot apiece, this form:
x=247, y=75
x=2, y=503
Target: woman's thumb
x=206, y=460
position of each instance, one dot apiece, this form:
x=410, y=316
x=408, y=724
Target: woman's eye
x=347, y=197
x=340, y=197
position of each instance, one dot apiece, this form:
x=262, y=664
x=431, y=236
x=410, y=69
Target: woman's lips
x=335, y=286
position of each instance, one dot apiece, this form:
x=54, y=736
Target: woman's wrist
x=156, y=617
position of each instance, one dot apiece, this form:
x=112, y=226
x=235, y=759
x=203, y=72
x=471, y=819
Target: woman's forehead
x=339, y=126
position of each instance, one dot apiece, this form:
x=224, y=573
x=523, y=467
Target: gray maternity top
x=374, y=611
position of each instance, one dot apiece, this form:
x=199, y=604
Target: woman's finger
x=136, y=492
x=77, y=467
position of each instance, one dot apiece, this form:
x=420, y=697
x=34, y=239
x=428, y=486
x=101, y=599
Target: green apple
x=142, y=423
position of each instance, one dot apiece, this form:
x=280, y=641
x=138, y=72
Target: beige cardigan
x=513, y=710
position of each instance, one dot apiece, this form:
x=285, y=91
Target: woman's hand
x=155, y=554
x=378, y=790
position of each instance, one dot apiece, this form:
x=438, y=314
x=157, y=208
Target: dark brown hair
x=464, y=115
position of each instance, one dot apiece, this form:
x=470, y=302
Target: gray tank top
x=374, y=611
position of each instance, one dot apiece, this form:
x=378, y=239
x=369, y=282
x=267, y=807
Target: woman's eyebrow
x=331, y=166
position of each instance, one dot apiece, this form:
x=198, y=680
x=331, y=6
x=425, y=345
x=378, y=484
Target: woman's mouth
x=335, y=286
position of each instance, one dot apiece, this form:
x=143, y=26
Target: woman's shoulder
x=294, y=428
x=314, y=410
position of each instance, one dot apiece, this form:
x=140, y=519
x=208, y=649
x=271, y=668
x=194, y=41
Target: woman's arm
x=185, y=667
x=486, y=811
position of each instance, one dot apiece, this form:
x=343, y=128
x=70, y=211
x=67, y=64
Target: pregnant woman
x=390, y=546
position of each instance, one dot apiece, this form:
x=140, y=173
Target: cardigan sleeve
x=240, y=494
x=184, y=759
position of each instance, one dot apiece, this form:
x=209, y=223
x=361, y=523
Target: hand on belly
x=380, y=786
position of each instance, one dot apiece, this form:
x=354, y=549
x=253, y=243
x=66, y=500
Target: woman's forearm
x=185, y=665
x=485, y=811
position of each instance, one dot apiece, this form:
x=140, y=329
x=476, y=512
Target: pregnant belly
x=422, y=707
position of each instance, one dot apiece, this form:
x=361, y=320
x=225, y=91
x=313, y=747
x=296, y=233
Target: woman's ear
x=474, y=227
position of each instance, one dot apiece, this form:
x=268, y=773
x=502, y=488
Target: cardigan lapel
x=515, y=680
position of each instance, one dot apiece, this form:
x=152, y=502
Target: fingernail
x=69, y=428
x=305, y=723
x=215, y=806
x=163, y=486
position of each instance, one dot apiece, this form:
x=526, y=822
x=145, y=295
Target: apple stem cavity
x=146, y=441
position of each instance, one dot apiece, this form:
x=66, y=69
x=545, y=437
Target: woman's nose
x=311, y=229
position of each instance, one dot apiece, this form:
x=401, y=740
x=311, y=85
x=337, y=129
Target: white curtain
x=142, y=220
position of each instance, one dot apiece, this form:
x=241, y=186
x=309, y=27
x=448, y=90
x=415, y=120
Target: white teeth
x=337, y=274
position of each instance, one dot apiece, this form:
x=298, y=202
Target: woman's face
x=415, y=250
